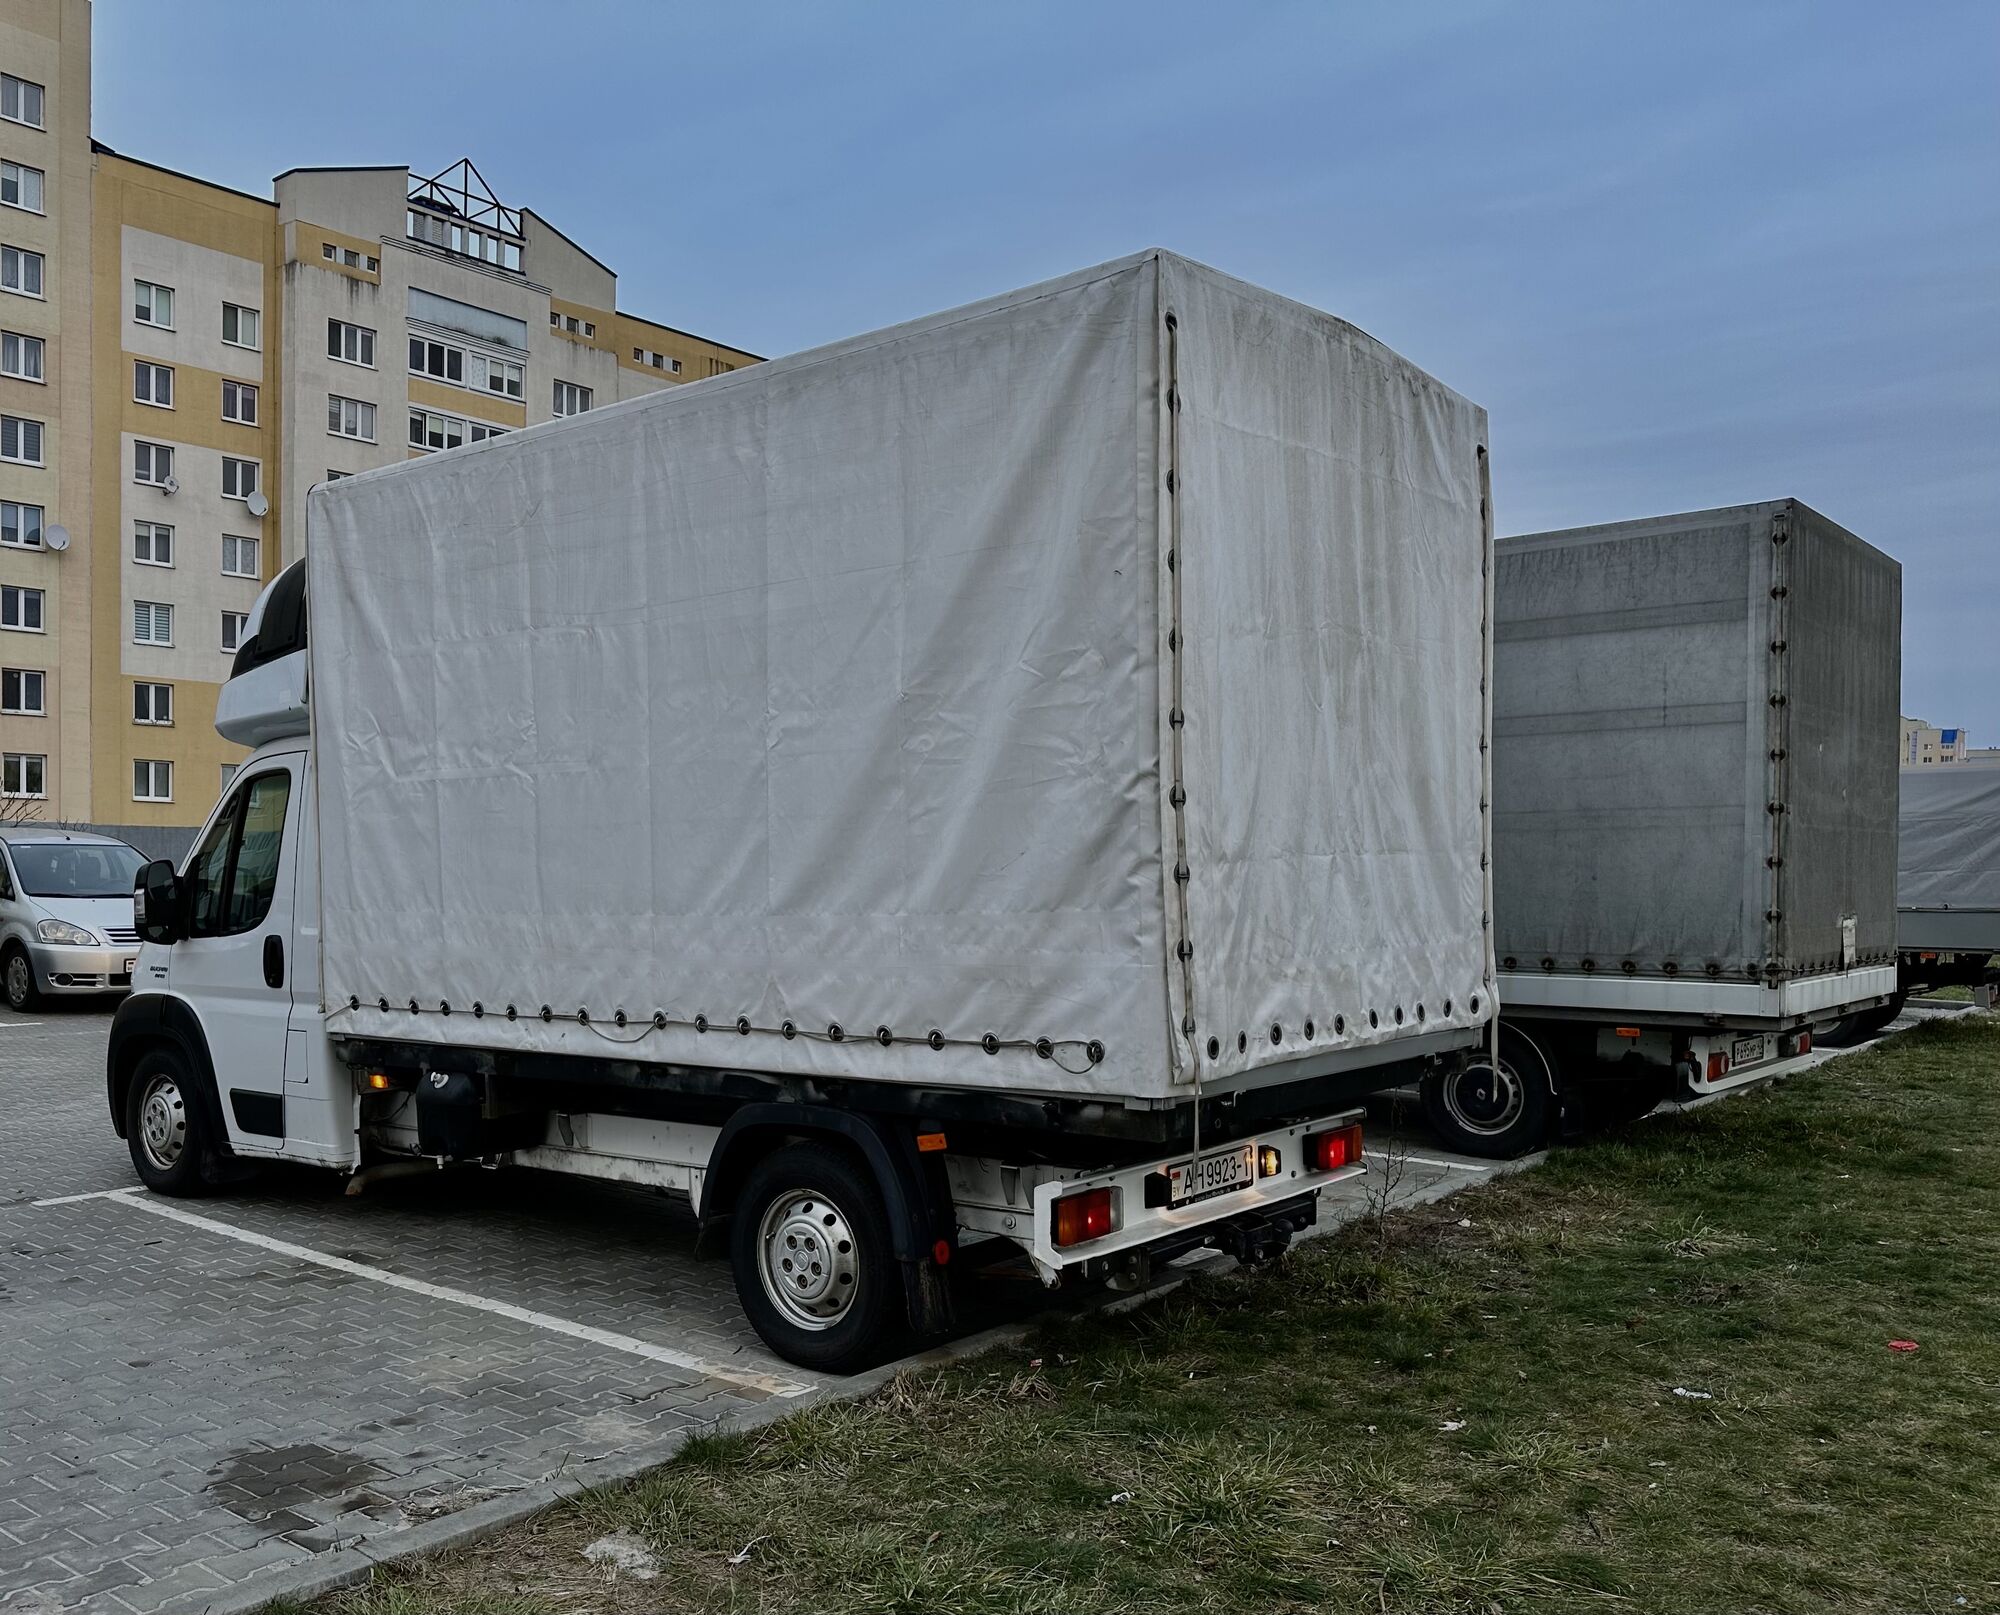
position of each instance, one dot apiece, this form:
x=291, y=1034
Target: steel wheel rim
x=163, y=1123
x=806, y=1259
x=19, y=980
x=1486, y=1099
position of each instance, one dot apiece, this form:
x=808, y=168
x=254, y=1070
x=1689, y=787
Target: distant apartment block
x=180, y=362
x=1925, y=744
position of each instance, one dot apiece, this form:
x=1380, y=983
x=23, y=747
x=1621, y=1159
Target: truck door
x=234, y=968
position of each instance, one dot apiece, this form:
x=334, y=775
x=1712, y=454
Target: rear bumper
x=62, y=969
x=1018, y=1202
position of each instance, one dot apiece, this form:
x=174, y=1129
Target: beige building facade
x=180, y=362
x=1925, y=745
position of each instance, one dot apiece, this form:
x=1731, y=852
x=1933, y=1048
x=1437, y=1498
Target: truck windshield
x=70, y=869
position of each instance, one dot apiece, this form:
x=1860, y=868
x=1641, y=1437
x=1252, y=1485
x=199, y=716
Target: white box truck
x=1018, y=775
x=1694, y=812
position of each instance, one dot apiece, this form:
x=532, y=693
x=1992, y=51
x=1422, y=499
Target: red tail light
x=1718, y=1067
x=1329, y=1152
x=1805, y=1043
x=1083, y=1217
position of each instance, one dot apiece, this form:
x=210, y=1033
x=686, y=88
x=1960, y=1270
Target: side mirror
x=156, y=902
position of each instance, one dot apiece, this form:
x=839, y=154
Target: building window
x=24, y=773
x=21, y=271
x=232, y=629
x=21, y=609
x=20, y=526
x=480, y=431
x=430, y=430
x=20, y=356
x=350, y=417
x=20, y=440
x=503, y=376
x=437, y=359
x=571, y=399
x=239, y=403
x=152, y=623
x=153, y=703
x=454, y=235
x=228, y=774
x=152, y=781
x=239, y=556
x=719, y=367
x=656, y=361
x=21, y=101
x=24, y=692
x=241, y=326
x=239, y=478
x=152, y=463
x=152, y=544
x=335, y=476
x=152, y=384
x=21, y=187
x=153, y=305
x=351, y=344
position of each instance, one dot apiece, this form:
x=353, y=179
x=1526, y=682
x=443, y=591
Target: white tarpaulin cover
x=840, y=691
x=1949, y=844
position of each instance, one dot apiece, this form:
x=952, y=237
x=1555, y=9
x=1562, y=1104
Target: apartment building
x=1925, y=744
x=180, y=362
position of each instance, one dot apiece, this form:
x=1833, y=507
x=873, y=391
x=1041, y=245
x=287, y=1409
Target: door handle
x=274, y=961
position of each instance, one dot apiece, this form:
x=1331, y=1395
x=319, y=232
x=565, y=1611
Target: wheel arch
x=915, y=1196
x=149, y=1021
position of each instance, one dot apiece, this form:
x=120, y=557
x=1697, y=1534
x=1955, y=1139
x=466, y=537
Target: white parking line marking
x=748, y=1379
x=9, y=1025
x=95, y=1194
x=1426, y=1160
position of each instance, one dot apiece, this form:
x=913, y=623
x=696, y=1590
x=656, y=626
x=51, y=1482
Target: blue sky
x=1686, y=254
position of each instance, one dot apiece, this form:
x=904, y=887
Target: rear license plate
x=1212, y=1174
x=1746, y=1051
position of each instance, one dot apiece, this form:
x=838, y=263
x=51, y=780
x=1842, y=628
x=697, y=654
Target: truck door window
x=235, y=870
x=256, y=875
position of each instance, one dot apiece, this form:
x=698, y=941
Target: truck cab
x=227, y=1016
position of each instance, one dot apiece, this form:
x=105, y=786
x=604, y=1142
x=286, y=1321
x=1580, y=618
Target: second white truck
x=1019, y=775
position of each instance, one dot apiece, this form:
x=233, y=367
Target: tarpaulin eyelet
x=743, y=1025
x=1340, y=1026
x=884, y=1036
x=935, y=1039
x=443, y=1007
x=583, y=1017
x=789, y=1030
x=1399, y=1014
x=1309, y=1031
x=1374, y=1020
x=834, y=1032
x=382, y=1004
x=1214, y=1047
x=478, y=1010
x=1242, y=1042
x=1044, y=1048
x=512, y=1013
x=659, y=1020
x=1093, y=1051
x=547, y=1013
x=413, y=1007
x=701, y=1023
x=618, y=1016
x=1277, y=1033
x=1475, y=1003
x=990, y=1043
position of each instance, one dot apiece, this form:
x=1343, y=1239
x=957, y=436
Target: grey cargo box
x=1948, y=888
x=1693, y=771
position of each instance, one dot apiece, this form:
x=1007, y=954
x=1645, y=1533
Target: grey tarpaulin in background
x=840, y=691
x=1950, y=849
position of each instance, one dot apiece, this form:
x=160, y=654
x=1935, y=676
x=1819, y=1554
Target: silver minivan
x=65, y=913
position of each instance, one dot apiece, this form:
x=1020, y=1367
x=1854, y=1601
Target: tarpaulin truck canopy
x=1693, y=769
x=1068, y=693
x=1948, y=876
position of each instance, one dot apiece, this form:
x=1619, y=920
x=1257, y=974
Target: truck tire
x=809, y=1245
x=17, y=979
x=1495, y=1116
x=167, y=1128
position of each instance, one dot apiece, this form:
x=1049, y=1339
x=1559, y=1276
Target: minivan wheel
x=809, y=1246
x=1495, y=1111
x=166, y=1128
x=17, y=979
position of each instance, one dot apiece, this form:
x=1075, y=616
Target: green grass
x=1277, y=1441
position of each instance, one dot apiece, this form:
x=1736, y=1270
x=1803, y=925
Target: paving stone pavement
x=185, y=1409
